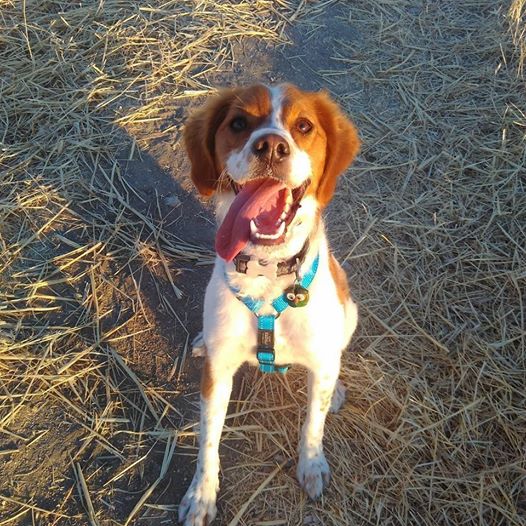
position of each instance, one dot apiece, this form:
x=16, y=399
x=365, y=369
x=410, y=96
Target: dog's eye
x=238, y=124
x=303, y=126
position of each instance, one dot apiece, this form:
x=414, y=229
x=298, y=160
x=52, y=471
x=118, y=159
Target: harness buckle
x=265, y=346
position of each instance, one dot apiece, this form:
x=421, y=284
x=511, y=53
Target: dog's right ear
x=199, y=137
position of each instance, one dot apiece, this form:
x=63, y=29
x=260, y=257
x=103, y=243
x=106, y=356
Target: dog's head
x=273, y=155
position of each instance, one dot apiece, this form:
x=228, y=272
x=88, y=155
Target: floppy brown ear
x=199, y=138
x=342, y=145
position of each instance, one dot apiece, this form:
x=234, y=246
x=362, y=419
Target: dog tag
x=297, y=296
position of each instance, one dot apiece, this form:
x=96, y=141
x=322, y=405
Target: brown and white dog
x=271, y=156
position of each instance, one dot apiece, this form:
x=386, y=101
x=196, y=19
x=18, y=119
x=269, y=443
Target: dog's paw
x=338, y=397
x=198, y=345
x=198, y=507
x=313, y=474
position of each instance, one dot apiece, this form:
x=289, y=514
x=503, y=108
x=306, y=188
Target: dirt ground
x=118, y=446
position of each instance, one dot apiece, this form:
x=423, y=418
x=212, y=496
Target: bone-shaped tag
x=255, y=268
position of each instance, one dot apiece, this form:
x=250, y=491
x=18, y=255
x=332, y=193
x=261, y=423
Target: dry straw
x=78, y=424
x=434, y=218
x=430, y=224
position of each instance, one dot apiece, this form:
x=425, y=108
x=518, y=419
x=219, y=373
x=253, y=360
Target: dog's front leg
x=198, y=506
x=313, y=471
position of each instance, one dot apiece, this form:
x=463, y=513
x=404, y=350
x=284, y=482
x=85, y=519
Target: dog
x=271, y=157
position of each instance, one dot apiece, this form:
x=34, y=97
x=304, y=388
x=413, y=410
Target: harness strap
x=265, y=342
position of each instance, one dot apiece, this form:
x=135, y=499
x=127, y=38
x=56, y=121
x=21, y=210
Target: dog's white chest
x=304, y=335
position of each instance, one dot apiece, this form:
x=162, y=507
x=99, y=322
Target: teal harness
x=265, y=341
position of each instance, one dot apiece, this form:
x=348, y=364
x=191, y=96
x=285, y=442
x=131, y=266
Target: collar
x=250, y=266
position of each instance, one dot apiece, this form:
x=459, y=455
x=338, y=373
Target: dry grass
x=430, y=225
x=71, y=75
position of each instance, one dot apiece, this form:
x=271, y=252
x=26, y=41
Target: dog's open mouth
x=261, y=213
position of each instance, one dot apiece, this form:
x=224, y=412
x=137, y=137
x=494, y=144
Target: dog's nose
x=271, y=148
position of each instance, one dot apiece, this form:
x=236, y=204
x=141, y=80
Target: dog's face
x=279, y=149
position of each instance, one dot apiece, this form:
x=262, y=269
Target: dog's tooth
x=279, y=232
x=259, y=235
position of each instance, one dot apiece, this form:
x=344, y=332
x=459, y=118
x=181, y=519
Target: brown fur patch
x=254, y=105
x=332, y=144
x=207, y=381
x=340, y=279
x=200, y=135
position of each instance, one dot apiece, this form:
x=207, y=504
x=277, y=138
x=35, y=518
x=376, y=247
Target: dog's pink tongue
x=234, y=232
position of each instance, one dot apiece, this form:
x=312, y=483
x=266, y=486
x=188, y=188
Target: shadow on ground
x=147, y=309
x=158, y=173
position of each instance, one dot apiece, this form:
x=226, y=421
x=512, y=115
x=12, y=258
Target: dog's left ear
x=199, y=137
x=342, y=145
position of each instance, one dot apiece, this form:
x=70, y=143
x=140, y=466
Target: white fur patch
x=198, y=346
x=313, y=474
x=277, y=94
x=198, y=506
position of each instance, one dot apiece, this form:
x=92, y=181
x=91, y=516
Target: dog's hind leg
x=198, y=345
x=338, y=397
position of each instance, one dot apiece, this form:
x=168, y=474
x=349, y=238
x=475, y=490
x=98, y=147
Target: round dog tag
x=297, y=296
